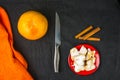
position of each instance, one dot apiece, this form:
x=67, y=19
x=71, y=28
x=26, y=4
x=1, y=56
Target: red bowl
x=97, y=61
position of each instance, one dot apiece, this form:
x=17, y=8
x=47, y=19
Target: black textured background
x=75, y=15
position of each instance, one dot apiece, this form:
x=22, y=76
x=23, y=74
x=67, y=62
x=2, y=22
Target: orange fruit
x=32, y=25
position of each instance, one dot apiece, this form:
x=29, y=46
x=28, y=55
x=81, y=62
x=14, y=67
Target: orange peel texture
x=32, y=25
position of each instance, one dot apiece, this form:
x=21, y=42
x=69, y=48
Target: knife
x=57, y=43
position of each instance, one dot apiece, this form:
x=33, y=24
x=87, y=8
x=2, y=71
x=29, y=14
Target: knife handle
x=56, y=58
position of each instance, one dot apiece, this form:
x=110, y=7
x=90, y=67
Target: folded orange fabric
x=13, y=66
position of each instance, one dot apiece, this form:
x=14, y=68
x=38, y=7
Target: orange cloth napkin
x=12, y=64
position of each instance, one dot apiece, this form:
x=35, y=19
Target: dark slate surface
x=75, y=15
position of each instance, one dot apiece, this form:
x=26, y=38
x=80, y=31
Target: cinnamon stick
x=85, y=37
x=91, y=38
x=83, y=32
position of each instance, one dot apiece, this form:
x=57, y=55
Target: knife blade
x=57, y=43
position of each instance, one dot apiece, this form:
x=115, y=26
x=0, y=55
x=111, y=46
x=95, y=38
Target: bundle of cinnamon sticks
x=87, y=33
